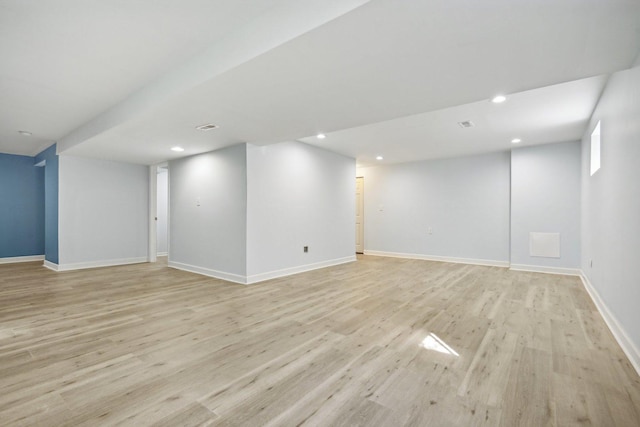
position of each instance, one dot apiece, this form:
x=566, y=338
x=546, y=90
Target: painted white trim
x=50, y=265
x=487, y=262
x=544, y=269
x=14, y=259
x=230, y=277
x=616, y=329
x=248, y=280
x=298, y=269
x=105, y=263
x=163, y=253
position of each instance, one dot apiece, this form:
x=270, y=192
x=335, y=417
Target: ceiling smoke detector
x=207, y=127
x=466, y=124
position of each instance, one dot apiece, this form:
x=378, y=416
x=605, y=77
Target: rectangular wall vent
x=546, y=245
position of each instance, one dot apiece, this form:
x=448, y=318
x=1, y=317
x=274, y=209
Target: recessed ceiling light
x=466, y=124
x=516, y=140
x=25, y=133
x=379, y=157
x=499, y=99
x=178, y=149
x=206, y=127
x=321, y=136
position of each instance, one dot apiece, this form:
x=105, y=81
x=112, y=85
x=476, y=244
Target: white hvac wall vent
x=546, y=245
x=207, y=127
x=466, y=124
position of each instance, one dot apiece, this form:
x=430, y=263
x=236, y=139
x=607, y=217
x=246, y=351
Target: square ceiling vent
x=466, y=124
x=207, y=127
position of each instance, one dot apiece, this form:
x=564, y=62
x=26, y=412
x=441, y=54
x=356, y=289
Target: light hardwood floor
x=378, y=342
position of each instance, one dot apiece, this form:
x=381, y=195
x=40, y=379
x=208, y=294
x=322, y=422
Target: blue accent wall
x=22, y=210
x=50, y=203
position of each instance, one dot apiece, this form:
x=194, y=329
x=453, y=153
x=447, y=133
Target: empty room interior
x=320, y=212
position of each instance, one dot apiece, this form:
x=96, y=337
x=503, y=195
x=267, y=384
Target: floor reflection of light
x=432, y=342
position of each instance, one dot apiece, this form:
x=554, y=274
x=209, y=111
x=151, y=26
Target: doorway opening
x=162, y=211
x=359, y=215
x=158, y=212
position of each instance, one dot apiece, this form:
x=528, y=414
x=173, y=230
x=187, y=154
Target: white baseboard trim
x=96, y=264
x=50, y=265
x=230, y=277
x=486, y=262
x=14, y=259
x=162, y=254
x=248, y=280
x=544, y=269
x=616, y=329
x=298, y=269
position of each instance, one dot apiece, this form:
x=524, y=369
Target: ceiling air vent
x=207, y=127
x=466, y=124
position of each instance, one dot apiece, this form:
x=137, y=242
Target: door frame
x=153, y=214
x=361, y=234
x=153, y=211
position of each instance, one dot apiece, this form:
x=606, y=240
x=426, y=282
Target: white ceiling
x=128, y=80
x=551, y=114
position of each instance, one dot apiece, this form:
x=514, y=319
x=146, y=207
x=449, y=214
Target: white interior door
x=359, y=215
x=153, y=206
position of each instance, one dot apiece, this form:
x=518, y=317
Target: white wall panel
x=545, y=199
x=103, y=212
x=611, y=209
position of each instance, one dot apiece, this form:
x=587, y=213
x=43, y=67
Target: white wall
x=611, y=210
x=103, y=212
x=298, y=195
x=162, y=201
x=465, y=202
x=208, y=213
x=545, y=197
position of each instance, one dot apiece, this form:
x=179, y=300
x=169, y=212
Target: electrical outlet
x=305, y=249
x=429, y=230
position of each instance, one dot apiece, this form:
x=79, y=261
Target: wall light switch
x=198, y=201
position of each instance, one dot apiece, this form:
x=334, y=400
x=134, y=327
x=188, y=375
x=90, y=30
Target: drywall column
x=298, y=195
x=51, y=204
x=208, y=215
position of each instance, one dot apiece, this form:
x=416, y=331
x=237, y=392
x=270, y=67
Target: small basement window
x=595, y=149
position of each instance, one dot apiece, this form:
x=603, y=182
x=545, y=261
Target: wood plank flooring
x=378, y=342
